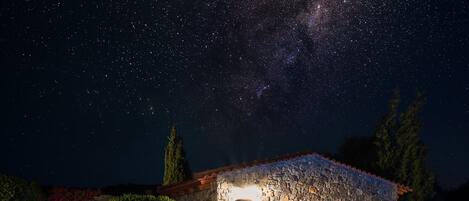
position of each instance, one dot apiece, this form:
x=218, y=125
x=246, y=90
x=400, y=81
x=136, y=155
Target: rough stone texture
x=310, y=177
x=209, y=194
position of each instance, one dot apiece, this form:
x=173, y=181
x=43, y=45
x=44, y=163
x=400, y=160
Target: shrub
x=7, y=188
x=37, y=192
x=68, y=194
x=130, y=197
x=16, y=189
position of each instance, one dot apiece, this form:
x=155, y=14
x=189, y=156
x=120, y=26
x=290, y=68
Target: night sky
x=90, y=88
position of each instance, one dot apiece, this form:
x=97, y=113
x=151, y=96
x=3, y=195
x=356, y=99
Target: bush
x=16, y=189
x=67, y=194
x=130, y=197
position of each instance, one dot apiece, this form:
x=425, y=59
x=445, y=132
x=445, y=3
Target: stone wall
x=209, y=194
x=310, y=177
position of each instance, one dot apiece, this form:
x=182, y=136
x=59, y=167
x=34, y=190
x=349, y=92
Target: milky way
x=281, y=40
x=101, y=82
x=285, y=57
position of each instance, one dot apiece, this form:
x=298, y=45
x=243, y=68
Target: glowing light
x=251, y=193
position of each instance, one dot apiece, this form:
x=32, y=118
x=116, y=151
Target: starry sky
x=90, y=88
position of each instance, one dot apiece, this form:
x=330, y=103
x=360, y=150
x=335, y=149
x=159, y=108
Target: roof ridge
x=406, y=188
x=252, y=163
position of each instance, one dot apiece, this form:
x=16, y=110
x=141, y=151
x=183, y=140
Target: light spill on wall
x=251, y=192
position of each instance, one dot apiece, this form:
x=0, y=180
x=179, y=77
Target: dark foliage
x=384, y=142
x=395, y=150
x=176, y=167
x=16, y=189
x=411, y=169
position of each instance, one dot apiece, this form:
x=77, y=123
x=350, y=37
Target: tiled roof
x=202, y=180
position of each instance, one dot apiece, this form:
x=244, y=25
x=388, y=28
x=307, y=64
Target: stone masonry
x=209, y=194
x=305, y=178
x=310, y=177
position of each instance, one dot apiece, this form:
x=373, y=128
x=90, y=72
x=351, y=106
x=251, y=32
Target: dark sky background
x=90, y=88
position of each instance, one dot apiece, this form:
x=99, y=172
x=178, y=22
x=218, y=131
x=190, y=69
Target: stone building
x=296, y=177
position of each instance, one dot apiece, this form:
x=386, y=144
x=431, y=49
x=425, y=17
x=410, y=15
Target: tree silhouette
x=411, y=151
x=176, y=168
x=384, y=139
x=396, y=150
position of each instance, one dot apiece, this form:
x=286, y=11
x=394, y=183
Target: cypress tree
x=384, y=139
x=411, y=168
x=176, y=168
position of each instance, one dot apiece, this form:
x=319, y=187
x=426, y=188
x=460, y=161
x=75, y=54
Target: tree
x=384, y=139
x=396, y=150
x=411, y=168
x=16, y=189
x=37, y=192
x=176, y=168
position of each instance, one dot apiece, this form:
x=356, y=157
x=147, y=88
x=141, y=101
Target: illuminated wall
x=306, y=178
x=310, y=177
x=209, y=194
